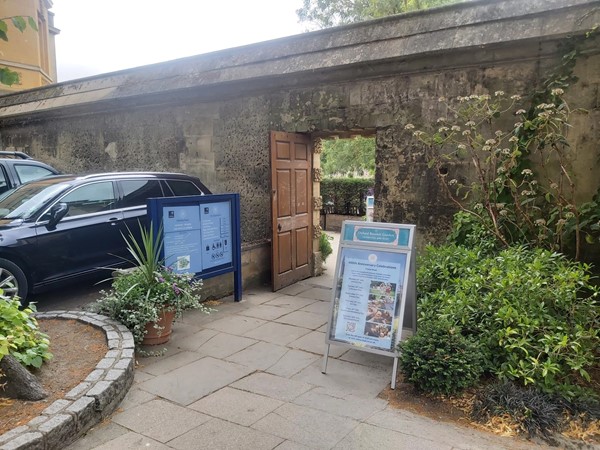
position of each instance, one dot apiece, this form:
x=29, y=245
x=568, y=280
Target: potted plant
x=149, y=296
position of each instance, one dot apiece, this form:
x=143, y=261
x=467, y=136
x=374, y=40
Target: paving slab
x=317, y=293
x=272, y=386
x=463, y=438
x=234, y=405
x=235, y=324
x=265, y=312
x=291, y=445
x=194, y=341
x=162, y=365
x=294, y=289
x=135, y=397
x=222, y=345
x=132, y=441
x=303, y=319
x=160, y=420
x=368, y=359
x=289, y=302
x=314, y=342
x=362, y=381
x=306, y=426
x=259, y=356
x=192, y=382
x=258, y=296
x=369, y=437
x=99, y=435
x=321, y=308
x=222, y=435
x=341, y=403
x=276, y=333
x=292, y=363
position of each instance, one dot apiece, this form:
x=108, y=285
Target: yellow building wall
x=30, y=53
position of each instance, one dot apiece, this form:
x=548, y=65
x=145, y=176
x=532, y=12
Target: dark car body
x=60, y=228
x=21, y=168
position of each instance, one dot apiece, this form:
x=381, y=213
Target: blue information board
x=201, y=235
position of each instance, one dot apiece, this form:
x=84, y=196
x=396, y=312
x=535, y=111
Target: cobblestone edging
x=92, y=400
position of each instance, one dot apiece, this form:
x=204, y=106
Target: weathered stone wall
x=211, y=118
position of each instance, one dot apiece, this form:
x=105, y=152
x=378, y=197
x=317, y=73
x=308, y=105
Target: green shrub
x=534, y=412
x=325, y=246
x=20, y=335
x=535, y=312
x=440, y=360
x=347, y=195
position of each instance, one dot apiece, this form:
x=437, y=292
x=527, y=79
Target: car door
x=87, y=239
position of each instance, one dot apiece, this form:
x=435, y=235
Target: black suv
x=58, y=228
x=21, y=168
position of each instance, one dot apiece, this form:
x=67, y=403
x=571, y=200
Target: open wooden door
x=291, y=205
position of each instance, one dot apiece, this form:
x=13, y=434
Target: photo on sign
x=369, y=290
x=183, y=262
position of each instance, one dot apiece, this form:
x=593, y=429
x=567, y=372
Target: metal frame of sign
x=375, y=281
x=224, y=245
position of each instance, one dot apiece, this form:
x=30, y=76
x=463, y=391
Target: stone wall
x=211, y=115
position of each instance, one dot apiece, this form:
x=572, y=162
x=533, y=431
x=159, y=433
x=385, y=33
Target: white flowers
x=557, y=92
x=461, y=147
x=498, y=93
x=526, y=172
x=513, y=139
x=540, y=222
x=519, y=112
x=455, y=128
x=409, y=126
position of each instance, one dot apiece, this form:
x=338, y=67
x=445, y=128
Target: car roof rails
x=15, y=154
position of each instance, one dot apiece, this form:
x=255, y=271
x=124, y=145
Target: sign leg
x=394, y=373
x=325, y=357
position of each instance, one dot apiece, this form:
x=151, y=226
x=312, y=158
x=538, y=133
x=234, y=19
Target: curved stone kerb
x=92, y=400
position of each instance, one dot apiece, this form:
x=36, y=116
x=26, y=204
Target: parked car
x=64, y=227
x=20, y=168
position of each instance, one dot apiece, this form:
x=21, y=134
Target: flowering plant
x=140, y=295
x=485, y=165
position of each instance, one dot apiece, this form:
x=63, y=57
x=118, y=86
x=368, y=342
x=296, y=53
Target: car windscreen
x=26, y=200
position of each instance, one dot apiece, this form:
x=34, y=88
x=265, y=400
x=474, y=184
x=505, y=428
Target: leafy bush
x=346, y=195
x=535, y=312
x=325, y=246
x=532, y=411
x=439, y=359
x=20, y=335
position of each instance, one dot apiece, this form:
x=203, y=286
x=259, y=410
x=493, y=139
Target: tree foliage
x=9, y=77
x=354, y=156
x=330, y=13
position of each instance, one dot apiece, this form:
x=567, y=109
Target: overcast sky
x=99, y=36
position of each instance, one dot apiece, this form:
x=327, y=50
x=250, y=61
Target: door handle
x=279, y=227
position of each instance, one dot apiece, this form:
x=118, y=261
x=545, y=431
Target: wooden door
x=291, y=196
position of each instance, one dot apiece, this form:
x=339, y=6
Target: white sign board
x=374, y=283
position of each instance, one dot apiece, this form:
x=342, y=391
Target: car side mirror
x=57, y=212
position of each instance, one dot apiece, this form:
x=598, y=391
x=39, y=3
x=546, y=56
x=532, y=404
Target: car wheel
x=12, y=280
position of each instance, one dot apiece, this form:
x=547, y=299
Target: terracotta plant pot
x=159, y=336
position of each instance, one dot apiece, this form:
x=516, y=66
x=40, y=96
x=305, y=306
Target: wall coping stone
x=67, y=419
x=310, y=57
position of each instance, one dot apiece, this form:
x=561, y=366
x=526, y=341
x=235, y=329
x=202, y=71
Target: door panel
x=291, y=208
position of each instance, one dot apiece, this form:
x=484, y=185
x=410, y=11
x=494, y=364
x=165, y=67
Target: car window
x=28, y=172
x=182, y=187
x=3, y=181
x=136, y=192
x=90, y=198
x=28, y=199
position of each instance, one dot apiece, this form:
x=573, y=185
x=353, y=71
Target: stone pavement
x=249, y=377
